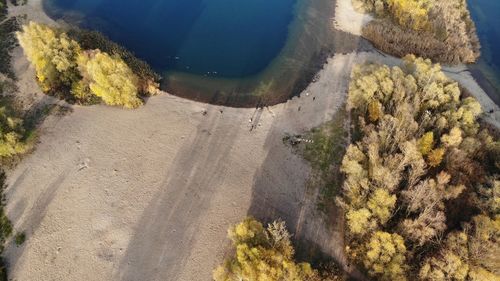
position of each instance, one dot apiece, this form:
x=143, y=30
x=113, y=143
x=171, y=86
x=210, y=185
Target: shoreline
x=149, y=194
x=311, y=39
x=485, y=83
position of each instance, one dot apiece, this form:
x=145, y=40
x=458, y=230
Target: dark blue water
x=486, y=15
x=224, y=38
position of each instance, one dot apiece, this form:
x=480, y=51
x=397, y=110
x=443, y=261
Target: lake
x=487, y=69
x=238, y=53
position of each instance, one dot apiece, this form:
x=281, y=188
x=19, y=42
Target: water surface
x=485, y=14
x=232, y=52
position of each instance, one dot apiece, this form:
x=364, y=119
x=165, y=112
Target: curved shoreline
x=112, y=194
x=311, y=39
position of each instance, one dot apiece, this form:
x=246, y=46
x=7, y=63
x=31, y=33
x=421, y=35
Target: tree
x=359, y=221
x=262, y=255
x=85, y=76
x=426, y=143
x=375, y=111
x=381, y=205
x=415, y=169
x=110, y=79
x=11, y=130
x=52, y=53
x=385, y=256
x=435, y=156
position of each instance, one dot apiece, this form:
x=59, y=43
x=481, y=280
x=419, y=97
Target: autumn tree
x=11, y=134
x=385, y=256
x=262, y=254
x=52, y=53
x=87, y=76
x=440, y=30
x=109, y=78
x=419, y=164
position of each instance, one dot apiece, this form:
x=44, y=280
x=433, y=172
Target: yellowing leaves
x=262, y=255
x=62, y=66
x=110, y=79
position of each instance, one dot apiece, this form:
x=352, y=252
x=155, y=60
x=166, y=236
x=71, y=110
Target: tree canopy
x=424, y=168
x=262, y=254
x=63, y=66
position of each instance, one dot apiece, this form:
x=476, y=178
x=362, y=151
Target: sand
x=113, y=194
x=348, y=19
x=148, y=194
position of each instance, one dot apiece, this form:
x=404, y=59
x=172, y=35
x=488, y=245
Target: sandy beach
x=148, y=194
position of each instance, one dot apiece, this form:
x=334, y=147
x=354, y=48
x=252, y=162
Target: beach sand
x=148, y=194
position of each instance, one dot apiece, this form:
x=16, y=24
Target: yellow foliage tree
x=11, y=130
x=262, y=255
x=425, y=143
x=381, y=205
x=110, y=79
x=435, y=157
x=359, y=221
x=385, y=256
x=412, y=14
x=52, y=53
x=375, y=111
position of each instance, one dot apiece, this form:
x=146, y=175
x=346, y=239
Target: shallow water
x=487, y=69
x=238, y=53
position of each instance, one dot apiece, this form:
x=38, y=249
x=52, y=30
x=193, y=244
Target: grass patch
x=328, y=143
x=325, y=154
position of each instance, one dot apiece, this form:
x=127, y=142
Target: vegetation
x=262, y=254
x=84, y=76
x=108, y=78
x=325, y=152
x=92, y=40
x=7, y=39
x=20, y=238
x=421, y=181
x=12, y=140
x=440, y=30
x=5, y=226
